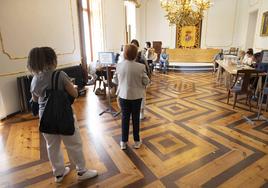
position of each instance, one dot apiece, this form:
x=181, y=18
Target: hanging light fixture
x=185, y=12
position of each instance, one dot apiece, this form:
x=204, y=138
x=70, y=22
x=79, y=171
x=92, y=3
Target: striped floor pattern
x=191, y=137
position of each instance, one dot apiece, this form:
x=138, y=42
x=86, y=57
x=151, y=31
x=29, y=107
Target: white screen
x=106, y=57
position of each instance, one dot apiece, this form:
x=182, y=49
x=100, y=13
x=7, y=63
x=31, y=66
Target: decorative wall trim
x=233, y=33
x=253, y=2
x=14, y=57
x=23, y=72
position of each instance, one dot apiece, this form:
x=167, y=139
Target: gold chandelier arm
x=185, y=12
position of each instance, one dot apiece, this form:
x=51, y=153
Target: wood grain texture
x=191, y=138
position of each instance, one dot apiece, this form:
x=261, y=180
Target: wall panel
x=27, y=24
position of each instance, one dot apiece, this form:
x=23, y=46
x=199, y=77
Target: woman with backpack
x=42, y=62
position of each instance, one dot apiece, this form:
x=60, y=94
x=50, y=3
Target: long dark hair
x=41, y=58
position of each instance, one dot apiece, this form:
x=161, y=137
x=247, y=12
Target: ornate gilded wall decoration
x=188, y=36
x=264, y=24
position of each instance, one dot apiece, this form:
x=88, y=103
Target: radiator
x=24, y=84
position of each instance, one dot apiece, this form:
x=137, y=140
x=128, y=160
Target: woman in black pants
x=131, y=79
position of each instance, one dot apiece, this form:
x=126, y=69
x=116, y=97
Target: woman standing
x=42, y=62
x=131, y=79
x=141, y=59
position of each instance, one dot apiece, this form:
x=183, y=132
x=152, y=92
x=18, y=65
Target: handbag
x=57, y=117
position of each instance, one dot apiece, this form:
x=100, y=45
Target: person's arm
x=33, y=89
x=161, y=57
x=71, y=89
x=145, y=78
x=68, y=85
x=34, y=98
x=115, y=78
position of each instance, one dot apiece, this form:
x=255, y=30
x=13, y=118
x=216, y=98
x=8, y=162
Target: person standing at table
x=132, y=80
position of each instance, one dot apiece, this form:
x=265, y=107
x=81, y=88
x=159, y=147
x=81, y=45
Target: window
x=96, y=27
x=92, y=28
x=130, y=20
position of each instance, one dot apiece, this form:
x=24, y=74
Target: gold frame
x=264, y=24
x=13, y=57
x=197, y=36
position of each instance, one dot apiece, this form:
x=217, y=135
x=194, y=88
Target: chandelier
x=185, y=12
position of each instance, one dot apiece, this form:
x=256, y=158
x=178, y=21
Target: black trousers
x=130, y=107
x=151, y=65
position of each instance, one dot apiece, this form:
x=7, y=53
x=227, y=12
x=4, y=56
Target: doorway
x=252, y=22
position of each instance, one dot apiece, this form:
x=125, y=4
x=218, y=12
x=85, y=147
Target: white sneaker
x=87, y=175
x=137, y=144
x=59, y=179
x=123, y=145
x=142, y=116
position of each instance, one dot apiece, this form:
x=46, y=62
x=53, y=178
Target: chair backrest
x=246, y=76
x=233, y=51
x=262, y=67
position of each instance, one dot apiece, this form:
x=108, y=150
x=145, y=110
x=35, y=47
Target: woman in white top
x=131, y=79
x=248, y=59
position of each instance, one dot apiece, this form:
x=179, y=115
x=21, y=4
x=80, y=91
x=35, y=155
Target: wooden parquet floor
x=191, y=137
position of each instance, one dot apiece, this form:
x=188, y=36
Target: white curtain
x=96, y=27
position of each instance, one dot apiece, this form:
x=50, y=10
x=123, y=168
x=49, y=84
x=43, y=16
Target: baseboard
x=10, y=116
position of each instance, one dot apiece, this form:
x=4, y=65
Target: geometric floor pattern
x=191, y=138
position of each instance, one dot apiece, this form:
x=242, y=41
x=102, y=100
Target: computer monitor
x=106, y=58
x=264, y=56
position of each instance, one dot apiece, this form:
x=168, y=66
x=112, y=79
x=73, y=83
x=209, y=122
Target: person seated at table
x=92, y=70
x=257, y=57
x=248, y=59
x=241, y=55
x=218, y=56
x=150, y=55
x=163, y=62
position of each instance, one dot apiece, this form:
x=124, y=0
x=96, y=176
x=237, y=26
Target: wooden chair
x=233, y=51
x=242, y=85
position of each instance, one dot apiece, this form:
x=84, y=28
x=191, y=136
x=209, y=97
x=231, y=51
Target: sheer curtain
x=96, y=27
x=131, y=20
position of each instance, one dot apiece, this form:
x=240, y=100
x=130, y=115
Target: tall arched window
x=91, y=30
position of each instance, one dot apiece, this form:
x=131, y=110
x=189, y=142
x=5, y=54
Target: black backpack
x=58, y=114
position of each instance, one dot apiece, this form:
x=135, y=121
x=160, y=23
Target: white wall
x=27, y=24
x=154, y=26
x=224, y=25
x=260, y=43
x=219, y=24
x=251, y=30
